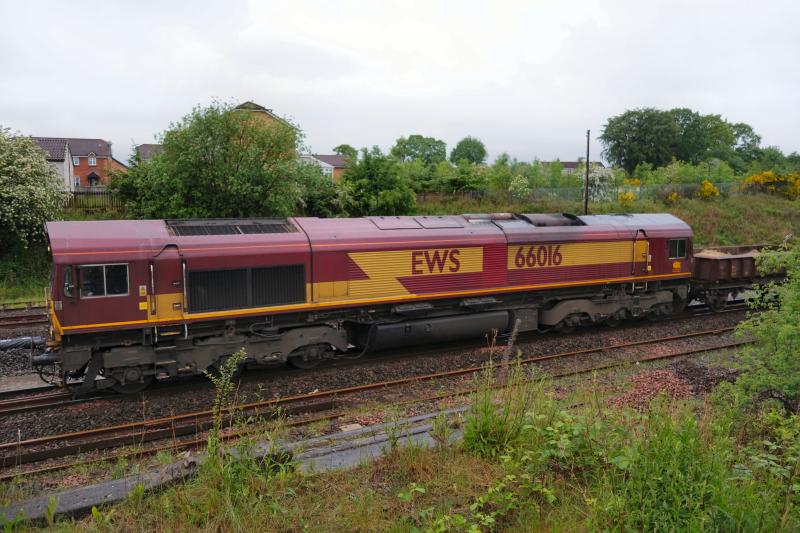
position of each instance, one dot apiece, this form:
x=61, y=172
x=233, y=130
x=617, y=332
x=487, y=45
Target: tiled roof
x=333, y=160
x=252, y=106
x=575, y=164
x=55, y=148
x=78, y=147
x=147, y=151
x=83, y=147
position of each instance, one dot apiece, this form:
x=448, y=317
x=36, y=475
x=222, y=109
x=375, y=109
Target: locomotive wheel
x=612, y=321
x=717, y=303
x=214, y=369
x=308, y=357
x=306, y=363
x=132, y=387
x=565, y=327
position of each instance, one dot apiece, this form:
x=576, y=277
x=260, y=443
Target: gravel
x=17, y=362
x=648, y=385
x=197, y=394
x=701, y=377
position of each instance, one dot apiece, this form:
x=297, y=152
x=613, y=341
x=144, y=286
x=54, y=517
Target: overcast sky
x=526, y=77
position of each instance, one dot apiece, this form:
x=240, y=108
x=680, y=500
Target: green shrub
x=771, y=362
x=377, y=186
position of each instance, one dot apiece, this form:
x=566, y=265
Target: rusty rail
x=137, y=433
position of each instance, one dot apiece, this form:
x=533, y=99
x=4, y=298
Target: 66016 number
x=538, y=256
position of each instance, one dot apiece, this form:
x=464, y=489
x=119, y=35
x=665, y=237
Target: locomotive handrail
x=169, y=245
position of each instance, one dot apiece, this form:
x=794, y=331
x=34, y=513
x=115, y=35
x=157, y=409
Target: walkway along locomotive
x=132, y=301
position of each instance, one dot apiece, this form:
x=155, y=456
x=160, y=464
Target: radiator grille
x=217, y=290
x=279, y=285
x=230, y=226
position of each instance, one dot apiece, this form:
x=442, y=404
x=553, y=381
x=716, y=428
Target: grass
x=531, y=460
x=24, y=275
x=680, y=466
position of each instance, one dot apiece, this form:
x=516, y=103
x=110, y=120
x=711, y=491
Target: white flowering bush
x=601, y=184
x=519, y=188
x=30, y=192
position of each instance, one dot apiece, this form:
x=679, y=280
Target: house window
x=677, y=248
x=104, y=280
x=92, y=160
x=327, y=171
x=76, y=160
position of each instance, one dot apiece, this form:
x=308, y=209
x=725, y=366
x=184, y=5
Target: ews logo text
x=435, y=261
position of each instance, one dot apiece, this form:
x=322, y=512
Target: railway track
x=190, y=425
x=15, y=321
x=50, y=399
x=47, y=400
x=23, y=306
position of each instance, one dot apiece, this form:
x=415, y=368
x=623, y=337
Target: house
x=263, y=113
x=332, y=166
x=59, y=156
x=93, y=161
x=569, y=167
x=269, y=118
x=145, y=152
x=87, y=162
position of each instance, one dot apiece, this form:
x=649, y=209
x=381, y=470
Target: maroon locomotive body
x=137, y=300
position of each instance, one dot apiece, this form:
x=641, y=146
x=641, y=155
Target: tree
x=377, y=187
x=746, y=142
x=500, y=173
x=321, y=197
x=346, y=151
x=657, y=137
x=30, y=192
x=640, y=136
x=701, y=137
x=431, y=151
x=417, y=174
x=770, y=158
x=469, y=149
x=463, y=177
x=218, y=162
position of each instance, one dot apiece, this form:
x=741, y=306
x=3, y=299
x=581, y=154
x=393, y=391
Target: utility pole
x=586, y=179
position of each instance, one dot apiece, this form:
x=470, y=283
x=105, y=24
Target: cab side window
x=104, y=280
x=69, y=283
x=677, y=248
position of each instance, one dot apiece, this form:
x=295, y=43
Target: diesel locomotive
x=132, y=301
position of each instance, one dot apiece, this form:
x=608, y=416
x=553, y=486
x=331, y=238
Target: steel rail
x=146, y=430
x=8, y=322
x=199, y=442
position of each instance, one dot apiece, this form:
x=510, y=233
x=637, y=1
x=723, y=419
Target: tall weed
x=497, y=415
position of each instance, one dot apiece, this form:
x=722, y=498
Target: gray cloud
x=527, y=77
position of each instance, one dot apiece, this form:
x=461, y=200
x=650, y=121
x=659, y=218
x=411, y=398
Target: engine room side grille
x=218, y=290
x=225, y=226
x=278, y=285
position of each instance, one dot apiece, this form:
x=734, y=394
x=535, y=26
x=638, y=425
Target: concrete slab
x=339, y=450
